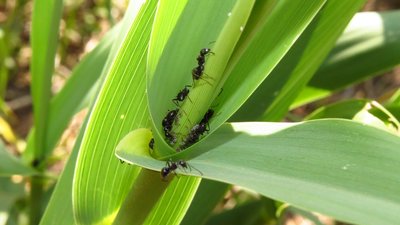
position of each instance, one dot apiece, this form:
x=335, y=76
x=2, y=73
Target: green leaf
x=207, y=86
x=237, y=88
x=10, y=165
x=276, y=33
x=79, y=89
x=244, y=214
x=290, y=211
x=75, y=94
x=361, y=110
x=174, y=203
x=46, y=17
x=369, y=46
x=272, y=99
x=10, y=192
x=337, y=167
x=168, y=14
x=393, y=105
x=120, y=107
x=208, y=195
x=179, y=56
x=61, y=199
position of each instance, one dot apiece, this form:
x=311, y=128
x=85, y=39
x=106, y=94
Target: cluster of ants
x=172, y=116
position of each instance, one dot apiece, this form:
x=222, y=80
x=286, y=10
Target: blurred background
x=83, y=25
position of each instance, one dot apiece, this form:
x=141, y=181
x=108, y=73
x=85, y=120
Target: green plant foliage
x=10, y=165
x=245, y=214
x=180, y=48
x=266, y=57
x=319, y=161
x=10, y=193
x=75, y=95
x=120, y=107
x=184, y=50
x=274, y=96
x=45, y=22
x=369, y=46
x=364, y=111
x=207, y=197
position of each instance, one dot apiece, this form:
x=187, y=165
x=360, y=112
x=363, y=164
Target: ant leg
x=208, y=76
x=206, y=80
x=192, y=167
x=176, y=102
x=220, y=92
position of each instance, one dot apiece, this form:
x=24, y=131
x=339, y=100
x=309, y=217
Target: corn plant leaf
x=75, y=94
x=273, y=97
x=337, y=167
x=208, y=195
x=46, y=17
x=79, y=87
x=10, y=192
x=180, y=49
x=61, y=200
x=369, y=46
x=168, y=14
x=393, y=104
x=244, y=214
x=361, y=110
x=120, y=107
x=179, y=55
x=10, y=165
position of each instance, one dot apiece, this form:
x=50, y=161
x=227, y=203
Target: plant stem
x=147, y=190
x=36, y=200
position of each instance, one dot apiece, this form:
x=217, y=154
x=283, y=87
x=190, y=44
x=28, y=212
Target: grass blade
x=120, y=107
x=369, y=46
x=272, y=99
x=289, y=162
x=10, y=165
x=46, y=17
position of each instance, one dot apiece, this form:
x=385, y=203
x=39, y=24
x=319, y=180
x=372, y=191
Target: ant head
x=205, y=51
x=182, y=164
x=164, y=172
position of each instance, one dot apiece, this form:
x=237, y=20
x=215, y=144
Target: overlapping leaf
x=337, y=167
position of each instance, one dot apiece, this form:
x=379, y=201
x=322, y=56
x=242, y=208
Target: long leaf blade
x=337, y=167
x=45, y=22
x=121, y=106
x=368, y=46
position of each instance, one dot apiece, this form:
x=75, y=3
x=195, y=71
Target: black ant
x=207, y=116
x=198, y=130
x=151, y=144
x=170, y=117
x=172, y=166
x=170, y=136
x=194, y=135
x=197, y=72
x=201, y=59
x=181, y=95
x=167, y=125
